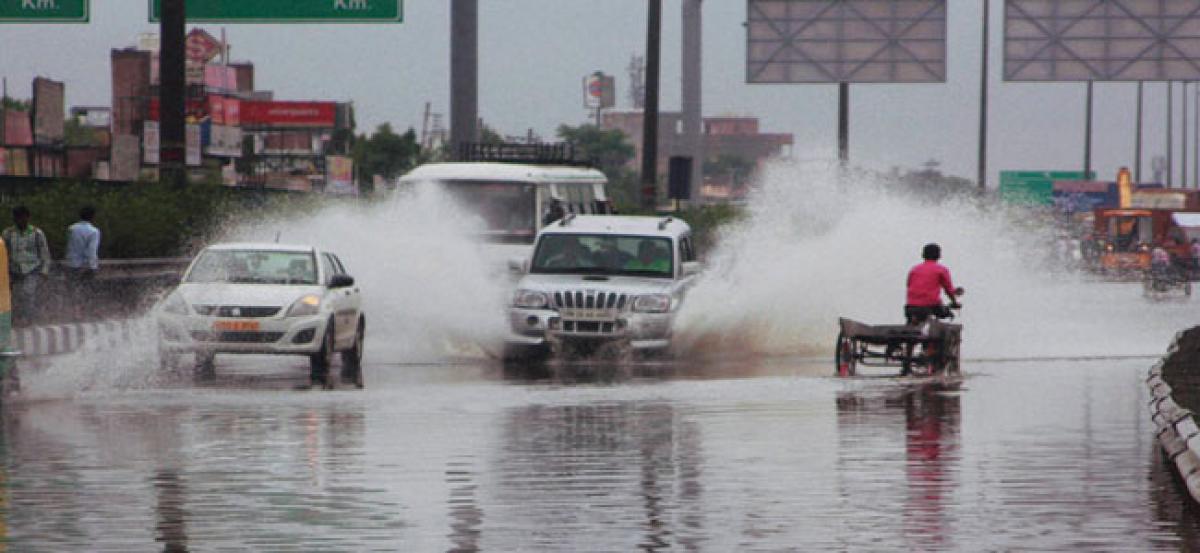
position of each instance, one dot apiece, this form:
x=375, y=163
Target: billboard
x=288, y=114
x=192, y=150
x=339, y=171
x=223, y=141
x=1101, y=40
x=124, y=164
x=1035, y=187
x=599, y=91
x=150, y=143
x=49, y=109
x=1084, y=196
x=846, y=41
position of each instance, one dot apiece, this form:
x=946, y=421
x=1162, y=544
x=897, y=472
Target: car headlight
x=530, y=299
x=652, y=303
x=305, y=306
x=175, y=305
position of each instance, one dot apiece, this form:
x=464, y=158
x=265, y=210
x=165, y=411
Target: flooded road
x=769, y=456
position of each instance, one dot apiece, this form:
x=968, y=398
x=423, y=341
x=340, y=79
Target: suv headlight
x=305, y=306
x=175, y=305
x=652, y=303
x=530, y=299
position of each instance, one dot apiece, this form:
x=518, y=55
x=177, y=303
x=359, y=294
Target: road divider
x=43, y=341
x=1171, y=406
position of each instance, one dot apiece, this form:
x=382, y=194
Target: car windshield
x=254, y=267
x=604, y=254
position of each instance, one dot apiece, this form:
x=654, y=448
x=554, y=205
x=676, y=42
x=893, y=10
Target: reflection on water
x=604, y=476
x=925, y=418
x=1051, y=456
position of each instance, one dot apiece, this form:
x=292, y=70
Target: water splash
x=815, y=247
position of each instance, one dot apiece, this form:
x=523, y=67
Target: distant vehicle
x=601, y=283
x=265, y=298
x=1126, y=237
x=514, y=187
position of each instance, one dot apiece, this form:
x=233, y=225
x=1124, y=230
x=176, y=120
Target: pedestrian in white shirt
x=83, y=258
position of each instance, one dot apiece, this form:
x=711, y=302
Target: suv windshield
x=254, y=267
x=604, y=254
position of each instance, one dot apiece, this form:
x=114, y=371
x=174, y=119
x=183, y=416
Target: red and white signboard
x=288, y=114
x=201, y=46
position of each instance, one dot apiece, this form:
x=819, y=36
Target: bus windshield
x=507, y=208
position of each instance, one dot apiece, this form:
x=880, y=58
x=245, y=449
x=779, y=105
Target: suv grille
x=591, y=299
x=248, y=312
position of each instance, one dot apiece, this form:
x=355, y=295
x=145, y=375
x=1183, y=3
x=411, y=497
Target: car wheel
x=205, y=365
x=352, y=358
x=320, y=361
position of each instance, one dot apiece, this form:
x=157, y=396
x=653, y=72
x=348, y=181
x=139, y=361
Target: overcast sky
x=534, y=54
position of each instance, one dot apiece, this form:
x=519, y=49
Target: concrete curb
x=1176, y=427
x=44, y=341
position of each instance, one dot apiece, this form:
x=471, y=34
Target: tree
x=611, y=151
x=385, y=153
x=9, y=102
x=78, y=134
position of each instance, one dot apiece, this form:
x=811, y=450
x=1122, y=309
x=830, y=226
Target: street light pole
x=1137, y=143
x=1087, y=140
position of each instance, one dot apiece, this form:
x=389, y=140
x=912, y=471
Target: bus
x=514, y=187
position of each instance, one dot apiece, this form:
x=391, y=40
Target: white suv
x=265, y=298
x=597, y=281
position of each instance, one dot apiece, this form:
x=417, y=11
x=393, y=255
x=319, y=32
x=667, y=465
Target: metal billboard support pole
x=173, y=87
x=650, y=114
x=1087, y=135
x=464, y=72
x=691, y=99
x=983, y=101
x=1170, y=132
x=1196, y=141
x=1137, y=143
x=1183, y=172
x=844, y=124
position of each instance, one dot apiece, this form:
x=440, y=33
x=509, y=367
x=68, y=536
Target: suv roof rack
x=566, y=220
x=538, y=153
x=662, y=225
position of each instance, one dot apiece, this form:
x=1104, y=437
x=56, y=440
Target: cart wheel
x=845, y=356
x=950, y=354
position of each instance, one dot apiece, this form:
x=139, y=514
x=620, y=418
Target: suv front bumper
x=642, y=331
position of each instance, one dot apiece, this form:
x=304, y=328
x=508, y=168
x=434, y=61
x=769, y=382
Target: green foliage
x=147, y=219
x=385, y=153
x=8, y=102
x=611, y=151
x=707, y=220
x=76, y=134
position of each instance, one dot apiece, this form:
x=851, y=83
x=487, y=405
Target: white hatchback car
x=265, y=298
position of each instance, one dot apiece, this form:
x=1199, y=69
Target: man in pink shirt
x=926, y=282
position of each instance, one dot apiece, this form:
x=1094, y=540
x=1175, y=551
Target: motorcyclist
x=926, y=282
x=1160, y=263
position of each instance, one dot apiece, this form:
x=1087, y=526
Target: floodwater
x=770, y=455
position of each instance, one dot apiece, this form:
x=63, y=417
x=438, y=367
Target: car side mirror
x=518, y=265
x=690, y=268
x=341, y=281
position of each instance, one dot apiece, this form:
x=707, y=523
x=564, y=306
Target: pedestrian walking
x=83, y=260
x=28, y=264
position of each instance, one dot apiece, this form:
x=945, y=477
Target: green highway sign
x=1035, y=187
x=44, y=11
x=288, y=11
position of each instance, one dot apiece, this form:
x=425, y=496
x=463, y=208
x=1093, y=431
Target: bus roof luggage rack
x=541, y=153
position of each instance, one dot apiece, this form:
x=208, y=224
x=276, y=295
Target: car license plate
x=235, y=326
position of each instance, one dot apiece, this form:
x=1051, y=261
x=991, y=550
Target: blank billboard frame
x=1101, y=40
x=845, y=41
